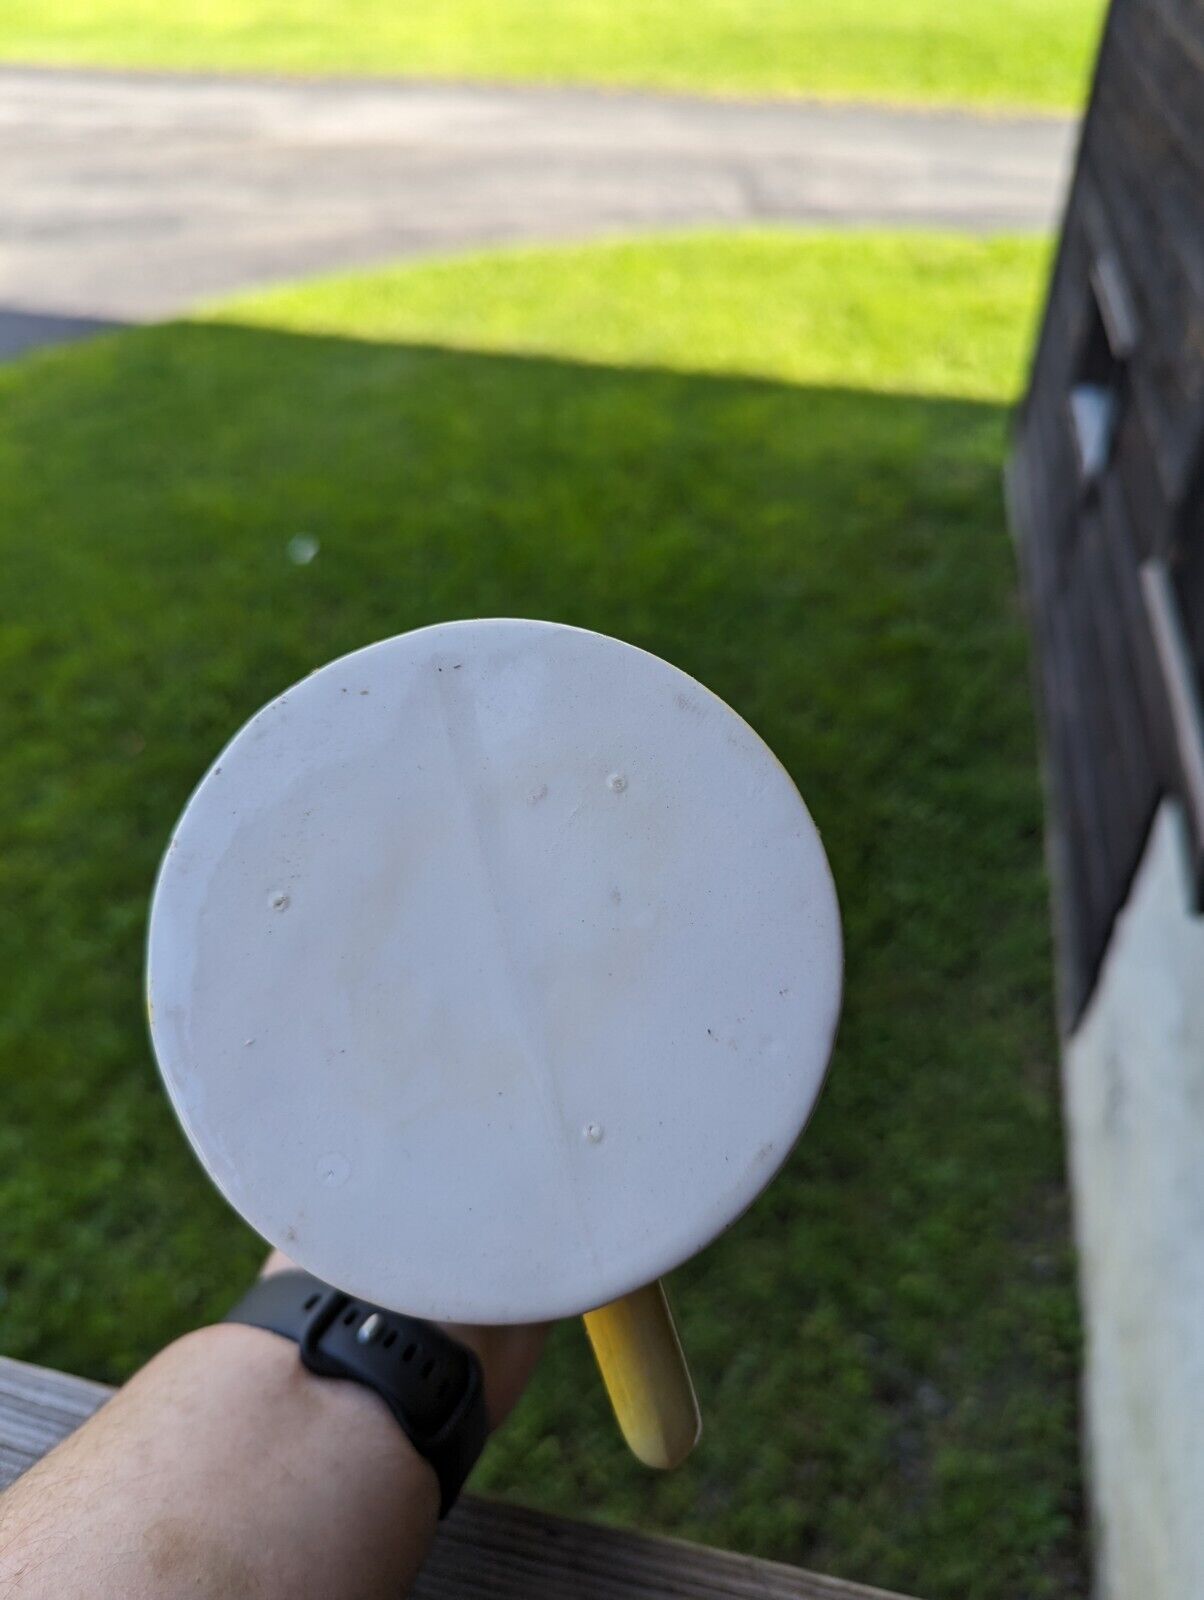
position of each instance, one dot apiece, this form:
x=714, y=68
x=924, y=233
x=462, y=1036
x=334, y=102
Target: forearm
x=223, y=1468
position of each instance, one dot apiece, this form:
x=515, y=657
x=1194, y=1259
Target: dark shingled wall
x=1106, y=480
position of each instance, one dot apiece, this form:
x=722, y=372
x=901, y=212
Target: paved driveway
x=133, y=196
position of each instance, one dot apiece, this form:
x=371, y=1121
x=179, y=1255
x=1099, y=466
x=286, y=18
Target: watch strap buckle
x=319, y=1318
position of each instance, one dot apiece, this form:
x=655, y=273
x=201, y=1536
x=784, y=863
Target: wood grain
x=1182, y=690
x=486, y=1550
x=1120, y=657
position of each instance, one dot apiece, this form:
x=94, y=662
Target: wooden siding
x=1113, y=560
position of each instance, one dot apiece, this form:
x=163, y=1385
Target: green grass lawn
x=773, y=459
x=1032, y=53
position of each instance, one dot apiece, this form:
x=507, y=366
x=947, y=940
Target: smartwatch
x=430, y=1382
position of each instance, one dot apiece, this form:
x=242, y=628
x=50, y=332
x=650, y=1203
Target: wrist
x=224, y=1468
x=431, y=1382
x=315, y=1416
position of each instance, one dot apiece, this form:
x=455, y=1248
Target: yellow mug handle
x=640, y=1357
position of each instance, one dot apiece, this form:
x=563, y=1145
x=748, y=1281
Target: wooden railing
x=486, y=1550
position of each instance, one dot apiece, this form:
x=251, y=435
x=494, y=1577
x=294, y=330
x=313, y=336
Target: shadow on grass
x=886, y=1345
x=22, y=330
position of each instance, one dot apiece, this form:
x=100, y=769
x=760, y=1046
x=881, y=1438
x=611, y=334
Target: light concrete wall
x=1134, y=1083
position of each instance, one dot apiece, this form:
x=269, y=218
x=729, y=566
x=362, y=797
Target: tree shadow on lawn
x=886, y=1344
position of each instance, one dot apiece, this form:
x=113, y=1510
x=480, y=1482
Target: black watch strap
x=430, y=1382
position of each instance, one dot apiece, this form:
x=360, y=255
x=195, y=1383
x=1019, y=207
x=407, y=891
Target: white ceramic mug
x=493, y=970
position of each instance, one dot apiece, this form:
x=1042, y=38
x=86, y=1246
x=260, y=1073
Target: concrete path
x=130, y=196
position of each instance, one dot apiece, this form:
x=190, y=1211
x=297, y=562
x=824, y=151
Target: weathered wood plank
x=1121, y=524
x=1070, y=971
x=486, y=1550
x=1185, y=558
x=1164, y=48
x=1153, y=515
x=1151, y=195
x=1123, y=753
x=1026, y=514
x=1128, y=765
x=1146, y=226
x=1054, y=491
x=1122, y=654
x=1184, y=21
x=1183, y=693
x=1075, y=751
x=1164, y=376
x=1081, y=879
x=38, y=1407
x=489, y=1549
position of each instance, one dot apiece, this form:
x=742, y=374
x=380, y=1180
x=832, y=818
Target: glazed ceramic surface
x=493, y=970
